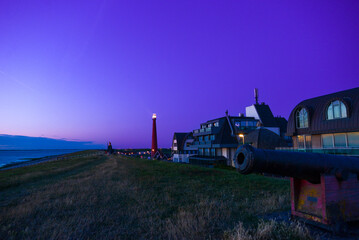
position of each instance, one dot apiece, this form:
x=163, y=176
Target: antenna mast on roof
x=256, y=95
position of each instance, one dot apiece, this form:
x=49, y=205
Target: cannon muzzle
x=308, y=166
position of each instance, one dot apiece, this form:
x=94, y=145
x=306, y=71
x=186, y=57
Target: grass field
x=127, y=198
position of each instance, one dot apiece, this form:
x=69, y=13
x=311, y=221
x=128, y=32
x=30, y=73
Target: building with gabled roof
x=182, y=147
x=263, y=113
x=218, y=139
x=329, y=123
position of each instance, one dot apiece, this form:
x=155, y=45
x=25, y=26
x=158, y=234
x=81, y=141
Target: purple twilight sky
x=97, y=70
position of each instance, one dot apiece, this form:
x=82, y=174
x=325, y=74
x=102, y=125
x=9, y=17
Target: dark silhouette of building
x=182, y=147
x=264, y=139
x=218, y=139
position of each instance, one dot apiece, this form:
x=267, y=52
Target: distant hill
x=12, y=142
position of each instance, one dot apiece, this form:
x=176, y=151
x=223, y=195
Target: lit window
x=336, y=109
x=304, y=141
x=302, y=118
x=300, y=141
x=308, y=141
x=216, y=124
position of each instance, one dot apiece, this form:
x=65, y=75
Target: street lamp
x=241, y=136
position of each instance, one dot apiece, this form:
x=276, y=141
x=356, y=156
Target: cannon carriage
x=324, y=188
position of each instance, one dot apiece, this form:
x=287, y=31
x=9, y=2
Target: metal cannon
x=324, y=188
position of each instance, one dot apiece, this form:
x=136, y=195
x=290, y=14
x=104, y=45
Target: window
x=340, y=140
x=304, y=141
x=302, y=118
x=300, y=141
x=308, y=141
x=213, y=137
x=245, y=124
x=327, y=140
x=200, y=151
x=216, y=124
x=336, y=109
x=353, y=139
x=206, y=138
x=213, y=152
x=206, y=152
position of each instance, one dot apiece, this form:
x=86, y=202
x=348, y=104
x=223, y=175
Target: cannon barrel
x=308, y=166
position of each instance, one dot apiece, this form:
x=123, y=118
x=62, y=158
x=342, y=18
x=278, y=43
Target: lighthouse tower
x=154, y=136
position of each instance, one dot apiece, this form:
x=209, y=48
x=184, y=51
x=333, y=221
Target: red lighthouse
x=154, y=136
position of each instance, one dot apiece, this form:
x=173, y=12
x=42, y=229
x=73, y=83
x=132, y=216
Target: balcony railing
x=337, y=151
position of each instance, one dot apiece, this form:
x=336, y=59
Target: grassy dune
x=125, y=198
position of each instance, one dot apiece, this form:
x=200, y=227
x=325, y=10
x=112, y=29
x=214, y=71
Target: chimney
x=256, y=95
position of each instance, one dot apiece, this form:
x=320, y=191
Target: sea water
x=14, y=156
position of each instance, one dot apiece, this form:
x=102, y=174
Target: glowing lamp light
x=154, y=116
x=241, y=136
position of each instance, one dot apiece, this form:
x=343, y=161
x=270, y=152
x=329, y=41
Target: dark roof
x=265, y=115
x=225, y=119
x=224, y=135
x=265, y=139
x=181, y=138
x=317, y=108
x=159, y=155
x=282, y=124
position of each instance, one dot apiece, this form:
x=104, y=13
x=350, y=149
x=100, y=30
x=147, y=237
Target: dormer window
x=336, y=109
x=302, y=118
